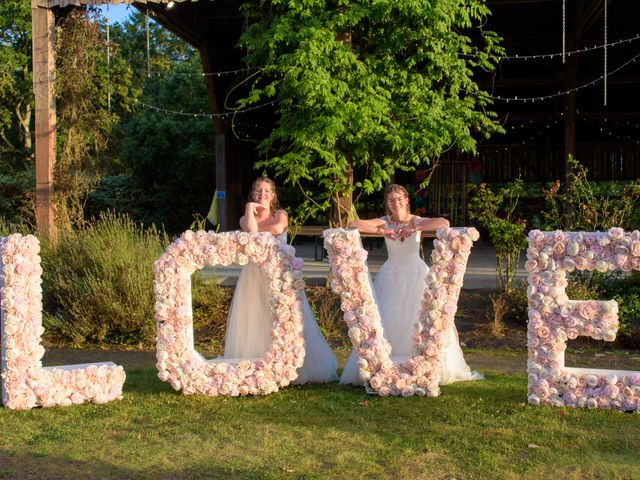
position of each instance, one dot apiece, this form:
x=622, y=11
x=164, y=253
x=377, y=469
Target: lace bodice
x=391, y=225
x=399, y=250
x=404, y=251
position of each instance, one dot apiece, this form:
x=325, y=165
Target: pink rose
x=558, y=249
x=376, y=382
x=407, y=391
x=616, y=233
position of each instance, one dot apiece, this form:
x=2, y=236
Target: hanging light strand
x=605, y=51
x=146, y=28
x=204, y=74
x=202, y=114
x=564, y=29
x=560, y=54
x=108, y=63
x=559, y=94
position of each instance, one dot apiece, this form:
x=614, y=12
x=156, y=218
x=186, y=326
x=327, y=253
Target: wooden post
x=569, y=105
x=221, y=147
x=45, y=114
x=221, y=180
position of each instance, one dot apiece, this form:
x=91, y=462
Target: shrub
x=495, y=212
x=584, y=205
x=625, y=291
x=325, y=305
x=210, y=303
x=8, y=227
x=98, y=282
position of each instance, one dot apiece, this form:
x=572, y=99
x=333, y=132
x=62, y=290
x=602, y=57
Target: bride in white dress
x=249, y=322
x=399, y=285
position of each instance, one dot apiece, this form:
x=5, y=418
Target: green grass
x=473, y=430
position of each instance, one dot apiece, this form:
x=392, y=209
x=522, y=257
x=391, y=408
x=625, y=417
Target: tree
x=169, y=156
x=366, y=88
x=93, y=86
x=17, y=177
x=16, y=97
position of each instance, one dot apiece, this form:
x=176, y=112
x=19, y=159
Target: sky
x=117, y=13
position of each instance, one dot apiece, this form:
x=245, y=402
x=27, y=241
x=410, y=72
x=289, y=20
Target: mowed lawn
x=473, y=430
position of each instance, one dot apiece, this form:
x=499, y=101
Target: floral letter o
x=420, y=374
x=553, y=318
x=178, y=362
x=25, y=383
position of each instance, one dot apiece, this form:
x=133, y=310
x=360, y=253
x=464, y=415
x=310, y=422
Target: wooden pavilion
x=546, y=90
x=568, y=85
x=213, y=29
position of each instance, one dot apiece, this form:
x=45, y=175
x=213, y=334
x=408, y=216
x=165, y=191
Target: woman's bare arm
x=424, y=223
x=375, y=225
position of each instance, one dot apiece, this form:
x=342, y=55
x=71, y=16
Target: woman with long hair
x=249, y=322
x=400, y=283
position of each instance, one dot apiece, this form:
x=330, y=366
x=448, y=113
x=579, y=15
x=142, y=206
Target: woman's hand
x=406, y=232
x=389, y=233
x=255, y=209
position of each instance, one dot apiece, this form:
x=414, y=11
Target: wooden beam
x=590, y=15
x=221, y=144
x=45, y=114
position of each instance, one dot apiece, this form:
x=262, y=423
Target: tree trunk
x=342, y=202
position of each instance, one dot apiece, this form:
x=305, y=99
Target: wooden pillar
x=221, y=180
x=571, y=82
x=220, y=149
x=45, y=113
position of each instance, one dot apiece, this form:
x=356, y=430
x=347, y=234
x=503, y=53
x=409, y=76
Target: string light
x=605, y=52
x=203, y=74
x=559, y=94
x=205, y=115
x=560, y=54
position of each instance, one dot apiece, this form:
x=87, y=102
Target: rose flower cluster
x=25, y=383
x=420, y=374
x=177, y=361
x=553, y=318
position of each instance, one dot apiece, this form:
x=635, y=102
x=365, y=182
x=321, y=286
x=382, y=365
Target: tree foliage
x=170, y=157
x=112, y=151
x=17, y=179
x=366, y=87
x=93, y=84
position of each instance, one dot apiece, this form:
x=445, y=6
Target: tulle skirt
x=249, y=324
x=398, y=288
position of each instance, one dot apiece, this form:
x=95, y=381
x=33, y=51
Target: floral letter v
x=418, y=375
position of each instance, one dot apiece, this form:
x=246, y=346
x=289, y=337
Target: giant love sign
x=25, y=383
x=553, y=318
x=420, y=374
x=179, y=363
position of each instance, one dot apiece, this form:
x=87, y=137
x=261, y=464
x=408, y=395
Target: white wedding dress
x=398, y=289
x=249, y=324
